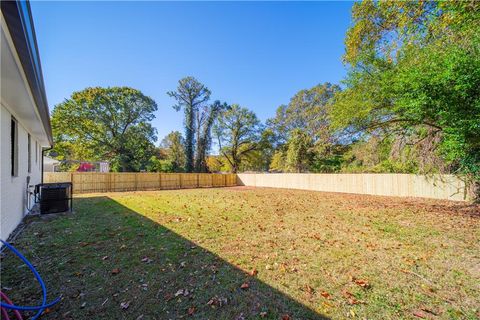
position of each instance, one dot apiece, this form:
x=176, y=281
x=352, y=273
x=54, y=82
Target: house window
x=29, y=153
x=14, y=147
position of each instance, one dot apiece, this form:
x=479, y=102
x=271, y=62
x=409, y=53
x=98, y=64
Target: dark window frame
x=29, y=153
x=14, y=147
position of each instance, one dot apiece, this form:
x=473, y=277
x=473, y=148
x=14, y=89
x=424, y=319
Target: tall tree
x=238, y=132
x=260, y=158
x=190, y=96
x=173, y=146
x=299, y=151
x=205, y=119
x=214, y=163
x=415, y=73
x=277, y=164
x=106, y=124
x=307, y=110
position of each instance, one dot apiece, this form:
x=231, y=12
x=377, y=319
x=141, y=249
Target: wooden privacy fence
x=401, y=185
x=86, y=182
x=447, y=187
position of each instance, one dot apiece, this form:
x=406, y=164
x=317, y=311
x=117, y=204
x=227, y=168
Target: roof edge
x=18, y=16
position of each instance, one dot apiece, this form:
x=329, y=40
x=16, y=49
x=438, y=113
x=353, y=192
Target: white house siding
x=13, y=189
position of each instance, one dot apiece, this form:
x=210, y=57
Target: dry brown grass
x=303, y=254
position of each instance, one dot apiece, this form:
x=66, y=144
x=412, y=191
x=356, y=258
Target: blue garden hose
x=44, y=305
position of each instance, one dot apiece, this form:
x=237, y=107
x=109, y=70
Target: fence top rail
x=139, y=173
x=347, y=173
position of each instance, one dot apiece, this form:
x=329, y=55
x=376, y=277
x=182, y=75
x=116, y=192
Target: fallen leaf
x=217, y=301
x=245, y=285
x=362, y=283
x=420, y=314
x=116, y=271
x=253, y=273
x=263, y=314
x=125, y=305
x=286, y=317
x=309, y=289
x=191, y=311
x=105, y=258
x=351, y=298
x=325, y=294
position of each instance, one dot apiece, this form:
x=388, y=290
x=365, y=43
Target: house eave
x=18, y=19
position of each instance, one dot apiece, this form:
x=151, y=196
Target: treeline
x=410, y=103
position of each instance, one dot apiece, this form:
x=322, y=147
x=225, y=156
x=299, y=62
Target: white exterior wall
x=13, y=189
x=17, y=99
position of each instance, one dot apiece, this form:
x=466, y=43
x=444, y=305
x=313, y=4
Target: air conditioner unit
x=54, y=197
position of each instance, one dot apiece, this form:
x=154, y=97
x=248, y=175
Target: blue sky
x=256, y=54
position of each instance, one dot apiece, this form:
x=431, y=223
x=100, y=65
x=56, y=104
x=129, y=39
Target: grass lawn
x=242, y=253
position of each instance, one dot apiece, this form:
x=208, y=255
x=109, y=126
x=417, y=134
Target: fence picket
x=90, y=182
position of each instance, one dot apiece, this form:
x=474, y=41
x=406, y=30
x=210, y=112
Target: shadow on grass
x=110, y=262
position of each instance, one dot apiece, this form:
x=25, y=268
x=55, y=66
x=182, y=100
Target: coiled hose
x=9, y=305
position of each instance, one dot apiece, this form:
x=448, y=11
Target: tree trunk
x=234, y=163
x=199, y=156
x=189, y=137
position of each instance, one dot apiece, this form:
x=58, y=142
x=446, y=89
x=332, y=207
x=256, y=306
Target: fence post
x=72, y=177
x=160, y=181
x=198, y=179
x=181, y=182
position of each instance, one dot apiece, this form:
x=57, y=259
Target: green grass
x=318, y=255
